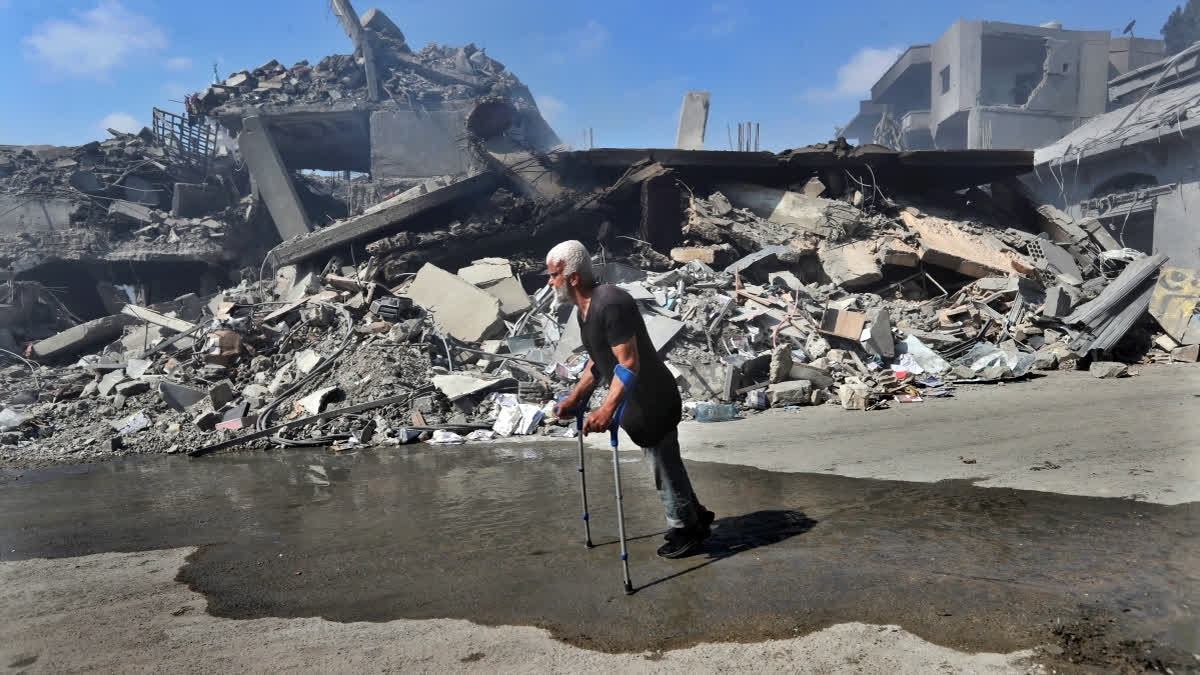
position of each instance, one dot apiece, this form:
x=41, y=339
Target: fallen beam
x=158, y=319
x=376, y=224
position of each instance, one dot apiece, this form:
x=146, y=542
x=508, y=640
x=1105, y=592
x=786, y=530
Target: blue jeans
x=672, y=482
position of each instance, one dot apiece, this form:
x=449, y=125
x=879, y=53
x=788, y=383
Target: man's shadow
x=736, y=534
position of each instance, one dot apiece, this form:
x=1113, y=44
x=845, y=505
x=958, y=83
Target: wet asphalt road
x=492, y=533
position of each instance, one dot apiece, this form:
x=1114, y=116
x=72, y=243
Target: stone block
x=180, y=397
x=132, y=388
x=221, y=394
x=781, y=364
x=852, y=265
x=458, y=307
x=795, y=392
x=488, y=271
x=1108, y=369
x=854, y=396
x=1188, y=354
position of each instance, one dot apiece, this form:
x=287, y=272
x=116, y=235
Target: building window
x=1066, y=67
x=945, y=74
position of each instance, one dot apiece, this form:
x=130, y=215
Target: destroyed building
x=1134, y=169
x=986, y=84
x=408, y=303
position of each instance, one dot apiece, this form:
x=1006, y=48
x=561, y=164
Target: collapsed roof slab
x=378, y=223
x=921, y=169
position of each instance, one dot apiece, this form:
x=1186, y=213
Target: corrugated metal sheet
x=1130, y=279
x=1107, y=318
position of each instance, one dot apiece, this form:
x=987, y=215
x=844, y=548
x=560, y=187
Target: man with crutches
x=642, y=396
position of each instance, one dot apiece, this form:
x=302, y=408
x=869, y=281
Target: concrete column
x=693, y=118
x=272, y=179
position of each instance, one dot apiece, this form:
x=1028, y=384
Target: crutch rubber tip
x=588, y=543
x=628, y=588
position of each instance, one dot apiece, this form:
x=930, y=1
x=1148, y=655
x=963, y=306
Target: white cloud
x=550, y=107
x=95, y=42
x=121, y=122
x=178, y=63
x=855, y=77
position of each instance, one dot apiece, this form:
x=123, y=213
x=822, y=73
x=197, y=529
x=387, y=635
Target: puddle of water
x=492, y=533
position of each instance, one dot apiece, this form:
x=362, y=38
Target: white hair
x=575, y=258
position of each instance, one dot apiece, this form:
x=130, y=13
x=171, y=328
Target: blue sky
x=620, y=67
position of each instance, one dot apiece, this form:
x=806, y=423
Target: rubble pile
x=428, y=77
x=110, y=198
x=775, y=297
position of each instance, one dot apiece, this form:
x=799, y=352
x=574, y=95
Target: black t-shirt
x=654, y=408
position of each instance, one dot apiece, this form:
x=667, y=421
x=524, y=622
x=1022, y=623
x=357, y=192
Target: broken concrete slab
x=899, y=252
x=135, y=213
x=306, y=360
x=458, y=308
x=109, y=382
x=511, y=295
x=661, y=329
x=759, y=261
x=484, y=273
x=1057, y=304
x=132, y=388
x=273, y=179
x=377, y=224
x=1108, y=369
x=136, y=368
x=795, y=392
x=879, y=340
x=827, y=218
x=945, y=244
x=180, y=397
x=315, y=402
x=79, y=338
x=220, y=394
x=693, y=120
x=1186, y=354
x=852, y=265
x=158, y=318
x=458, y=385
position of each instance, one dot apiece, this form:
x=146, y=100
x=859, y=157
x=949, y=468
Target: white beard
x=561, y=297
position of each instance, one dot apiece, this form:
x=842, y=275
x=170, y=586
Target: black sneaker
x=707, y=517
x=682, y=542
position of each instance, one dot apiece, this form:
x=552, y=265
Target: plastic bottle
x=715, y=412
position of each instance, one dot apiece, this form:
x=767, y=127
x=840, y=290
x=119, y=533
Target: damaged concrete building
x=1136, y=168
x=413, y=286
x=986, y=84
